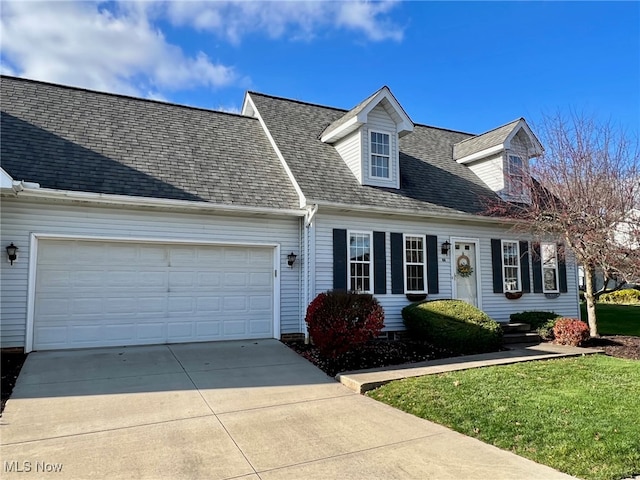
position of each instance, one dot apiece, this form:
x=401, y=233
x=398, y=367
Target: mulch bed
x=383, y=353
x=10, y=365
x=617, y=346
x=378, y=353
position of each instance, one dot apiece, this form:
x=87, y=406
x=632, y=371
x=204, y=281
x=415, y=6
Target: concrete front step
x=521, y=337
x=516, y=327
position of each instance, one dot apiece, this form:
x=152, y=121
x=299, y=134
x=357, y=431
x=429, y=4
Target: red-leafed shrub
x=570, y=331
x=341, y=321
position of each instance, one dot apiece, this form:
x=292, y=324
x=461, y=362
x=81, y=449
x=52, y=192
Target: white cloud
x=229, y=109
x=295, y=19
x=88, y=45
x=365, y=16
x=118, y=46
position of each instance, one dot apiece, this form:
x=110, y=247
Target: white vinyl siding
x=490, y=171
x=415, y=264
x=360, y=267
x=350, y=149
x=511, y=266
x=21, y=217
x=549, y=254
x=496, y=305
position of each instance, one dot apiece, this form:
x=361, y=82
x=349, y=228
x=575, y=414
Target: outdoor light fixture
x=291, y=258
x=445, y=247
x=12, y=253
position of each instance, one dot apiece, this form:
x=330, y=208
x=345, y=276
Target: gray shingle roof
x=489, y=139
x=73, y=139
x=349, y=115
x=431, y=181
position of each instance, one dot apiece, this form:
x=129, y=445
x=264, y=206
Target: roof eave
x=466, y=217
x=131, y=201
x=481, y=154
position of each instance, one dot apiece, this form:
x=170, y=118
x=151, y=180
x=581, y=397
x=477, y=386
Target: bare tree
x=584, y=190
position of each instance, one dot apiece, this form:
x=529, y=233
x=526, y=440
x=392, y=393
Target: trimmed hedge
x=626, y=296
x=534, y=318
x=340, y=321
x=454, y=325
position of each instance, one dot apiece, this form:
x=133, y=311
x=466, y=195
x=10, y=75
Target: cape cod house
x=141, y=222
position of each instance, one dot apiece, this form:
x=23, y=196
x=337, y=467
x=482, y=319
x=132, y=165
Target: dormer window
x=367, y=139
x=515, y=169
x=379, y=155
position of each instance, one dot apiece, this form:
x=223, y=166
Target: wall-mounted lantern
x=291, y=259
x=445, y=248
x=12, y=253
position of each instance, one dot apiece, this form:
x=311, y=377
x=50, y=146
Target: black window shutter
x=536, y=263
x=496, y=265
x=524, y=267
x=397, y=264
x=432, y=264
x=379, y=263
x=562, y=269
x=339, y=259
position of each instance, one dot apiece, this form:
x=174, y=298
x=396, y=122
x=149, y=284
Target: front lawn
x=578, y=415
x=616, y=319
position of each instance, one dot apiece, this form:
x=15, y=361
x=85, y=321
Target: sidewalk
x=362, y=381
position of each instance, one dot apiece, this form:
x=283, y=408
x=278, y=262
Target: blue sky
x=465, y=66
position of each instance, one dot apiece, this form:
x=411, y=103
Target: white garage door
x=117, y=293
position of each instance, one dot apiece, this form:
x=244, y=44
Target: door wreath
x=464, y=266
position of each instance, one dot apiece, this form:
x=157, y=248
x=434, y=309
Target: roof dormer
x=366, y=137
x=500, y=158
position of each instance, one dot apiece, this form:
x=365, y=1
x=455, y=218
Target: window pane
x=379, y=155
x=359, y=261
x=549, y=254
x=511, y=265
x=414, y=262
x=550, y=279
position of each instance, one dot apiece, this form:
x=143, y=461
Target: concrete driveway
x=250, y=410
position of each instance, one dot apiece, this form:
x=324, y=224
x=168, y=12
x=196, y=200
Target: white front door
x=464, y=272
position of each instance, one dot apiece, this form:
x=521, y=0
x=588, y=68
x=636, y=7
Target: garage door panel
x=181, y=279
x=152, y=305
x=180, y=330
x=208, y=329
x=86, y=306
x=150, y=293
x=208, y=304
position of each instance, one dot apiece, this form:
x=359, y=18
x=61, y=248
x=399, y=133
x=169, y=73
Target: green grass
x=616, y=319
x=578, y=415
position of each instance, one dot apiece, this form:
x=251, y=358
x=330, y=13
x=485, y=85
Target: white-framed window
x=380, y=154
x=415, y=264
x=549, y=254
x=515, y=169
x=360, y=259
x=511, y=265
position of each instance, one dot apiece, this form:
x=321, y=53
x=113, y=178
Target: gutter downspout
x=308, y=222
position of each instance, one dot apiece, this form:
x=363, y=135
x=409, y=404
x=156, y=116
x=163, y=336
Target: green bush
x=626, y=296
x=454, y=325
x=546, y=330
x=536, y=319
x=339, y=321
